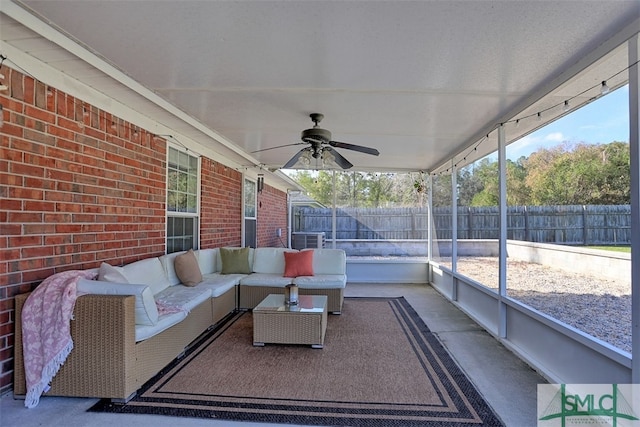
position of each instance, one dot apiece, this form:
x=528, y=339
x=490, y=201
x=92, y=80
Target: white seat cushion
x=166, y=321
x=219, y=283
x=183, y=297
x=264, y=279
x=321, y=281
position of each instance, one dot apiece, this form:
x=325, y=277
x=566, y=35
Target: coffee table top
x=306, y=304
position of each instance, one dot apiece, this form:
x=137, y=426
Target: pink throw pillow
x=298, y=264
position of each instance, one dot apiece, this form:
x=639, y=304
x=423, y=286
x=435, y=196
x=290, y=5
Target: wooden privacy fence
x=572, y=225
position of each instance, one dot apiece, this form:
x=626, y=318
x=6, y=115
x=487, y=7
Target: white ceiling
x=421, y=81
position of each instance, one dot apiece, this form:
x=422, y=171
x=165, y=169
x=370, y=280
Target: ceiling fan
x=321, y=147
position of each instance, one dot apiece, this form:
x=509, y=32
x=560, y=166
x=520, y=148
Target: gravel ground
x=599, y=307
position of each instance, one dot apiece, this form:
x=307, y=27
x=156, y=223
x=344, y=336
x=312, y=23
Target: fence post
x=527, y=232
x=413, y=225
x=584, y=225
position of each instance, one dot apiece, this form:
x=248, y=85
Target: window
x=182, y=201
x=249, y=199
x=250, y=213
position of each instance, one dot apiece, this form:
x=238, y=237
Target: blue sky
x=601, y=122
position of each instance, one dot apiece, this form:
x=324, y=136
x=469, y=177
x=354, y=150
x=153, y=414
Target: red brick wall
x=220, y=205
x=78, y=187
x=272, y=214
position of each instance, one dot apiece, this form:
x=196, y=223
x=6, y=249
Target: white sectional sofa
x=133, y=320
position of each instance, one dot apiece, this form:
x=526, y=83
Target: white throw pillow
x=146, y=309
x=109, y=273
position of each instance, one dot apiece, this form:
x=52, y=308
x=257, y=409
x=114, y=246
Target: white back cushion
x=148, y=272
x=146, y=310
x=269, y=260
x=329, y=261
x=109, y=273
x=207, y=260
x=167, y=262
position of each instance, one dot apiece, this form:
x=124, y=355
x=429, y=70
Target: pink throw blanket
x=46, y=330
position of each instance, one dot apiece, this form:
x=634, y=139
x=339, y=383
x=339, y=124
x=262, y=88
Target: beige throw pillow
x=187, y=268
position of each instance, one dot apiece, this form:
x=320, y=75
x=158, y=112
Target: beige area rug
x=380, y=366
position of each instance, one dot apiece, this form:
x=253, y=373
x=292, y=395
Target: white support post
x=289, y=219
x=634, y=147
x=430, y=219
x=502, y=251
x=454, y=228
x=334, y=224
x=454, y=218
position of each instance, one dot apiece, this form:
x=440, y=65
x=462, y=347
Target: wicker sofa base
x=250, y=296
x=224, y=304
x=106, y=362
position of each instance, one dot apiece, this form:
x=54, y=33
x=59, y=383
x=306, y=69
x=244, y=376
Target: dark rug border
x=416, y=327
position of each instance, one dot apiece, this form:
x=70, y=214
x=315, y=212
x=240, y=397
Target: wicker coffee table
x=275, y=322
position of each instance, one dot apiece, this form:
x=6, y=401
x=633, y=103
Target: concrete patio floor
x=508, y=384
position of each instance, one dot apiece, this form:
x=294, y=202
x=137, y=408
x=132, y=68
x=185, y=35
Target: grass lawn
x=626, y=249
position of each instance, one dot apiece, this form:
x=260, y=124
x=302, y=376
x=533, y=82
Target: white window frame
x=246, y=179
x=178, y=214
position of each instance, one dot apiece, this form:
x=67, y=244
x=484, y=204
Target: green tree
x=565, y=174
x=487, y=175
x=318, y=185
x=486, y=186
x=469, y=185
x=616, y=174
x=590, y=174
x=351, y=189
x=539, y=166
x=442, y=194
x=518, y=193
x=380, y=190
x=404, y=191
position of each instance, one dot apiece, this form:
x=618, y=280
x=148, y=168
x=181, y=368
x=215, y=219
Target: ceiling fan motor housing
x=316, y=135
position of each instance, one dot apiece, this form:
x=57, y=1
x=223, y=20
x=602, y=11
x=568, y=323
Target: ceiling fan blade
x=360, y=148
x=279, y=146
x=337, y=157
x=294, y=159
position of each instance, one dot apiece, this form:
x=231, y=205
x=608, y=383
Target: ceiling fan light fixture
x=305, y=159
x=302, y=160
x=328, y=159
